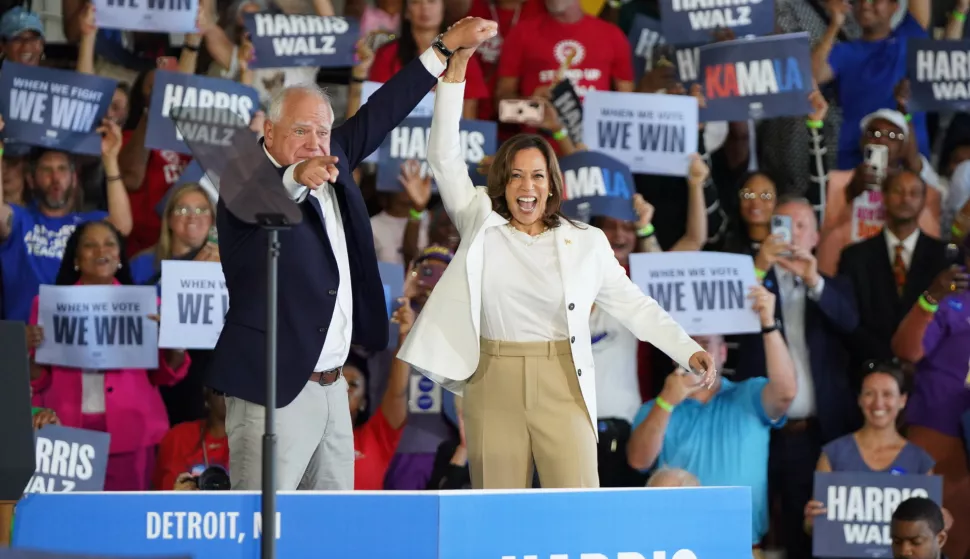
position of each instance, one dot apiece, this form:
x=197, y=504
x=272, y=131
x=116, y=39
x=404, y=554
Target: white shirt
x=522, y=292
x=92, y=391
x=336, y=347
x=615, y=360
x=389, y=236
x=792, y=293
x=909, y=246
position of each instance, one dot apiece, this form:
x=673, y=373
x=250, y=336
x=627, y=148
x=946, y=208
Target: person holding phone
x=508, y=323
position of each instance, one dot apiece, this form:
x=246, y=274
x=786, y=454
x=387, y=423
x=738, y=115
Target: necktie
x=899, y=269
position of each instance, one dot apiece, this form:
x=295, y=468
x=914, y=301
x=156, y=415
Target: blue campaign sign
x=69, y=460
x=650, y=47
x=28, y=554
x=56, y=109
x=285, y=40
x=937, y=75
x=693, y=22
x=757, y=78
x=597, y=185
x=410, y=141
x=625, y=523
x=192, y=173
x=859, y=509
x=204, y=106
x=392, y=276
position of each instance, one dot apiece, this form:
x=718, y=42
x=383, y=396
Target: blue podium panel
x=224, y=525
x=694, y=523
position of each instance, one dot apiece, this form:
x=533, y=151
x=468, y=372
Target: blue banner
x=69, y=460
x=649, y=48
x=859, y=509
x=285, y=41
x=410, y=141
x=937, y=72
x=55, y=109
x=209, y=110
x=192, y=173
x=27, y=554
x=597, y=185
x=569, y=107
x=693, y=22
x=392, y=276
x=757, y=78
x=628, y=523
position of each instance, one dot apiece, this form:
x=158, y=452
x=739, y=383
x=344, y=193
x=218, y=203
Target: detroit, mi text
x=212, y=525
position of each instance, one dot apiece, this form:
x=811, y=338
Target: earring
x=76, y=268
x=550, y=194
x=119, y=265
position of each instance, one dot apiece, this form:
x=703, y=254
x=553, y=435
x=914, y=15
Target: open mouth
x=879, y=413
x=527, y=203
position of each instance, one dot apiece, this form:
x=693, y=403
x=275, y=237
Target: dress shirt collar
x=271, y=159
x=909, y=243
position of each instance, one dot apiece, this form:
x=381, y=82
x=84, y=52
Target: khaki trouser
x=524, y=404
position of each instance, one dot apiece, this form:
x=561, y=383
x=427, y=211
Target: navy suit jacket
x=308, y=276
x=828, y=322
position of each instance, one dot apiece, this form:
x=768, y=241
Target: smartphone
x=781, y=227
x=169, y=63
x=520, y=111
x=876, y=157
x=377, y=39
x=428, y=275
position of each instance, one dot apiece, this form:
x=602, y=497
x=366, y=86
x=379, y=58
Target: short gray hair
x=673, y=477
x=275, y=111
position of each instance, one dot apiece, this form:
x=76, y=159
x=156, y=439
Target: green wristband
x=760, y=274
x=816, y=124
x=416, y=215
x=664, y=405
x=560, y=134
x=959, y=16
x=645, y=232
x=926, y=305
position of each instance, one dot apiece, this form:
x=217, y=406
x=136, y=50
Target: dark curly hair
x=67, y=275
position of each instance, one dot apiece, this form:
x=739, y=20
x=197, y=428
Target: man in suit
x=890, y=270
x=814, y=313
x=330, y=291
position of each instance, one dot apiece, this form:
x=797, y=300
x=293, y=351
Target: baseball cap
x=895, y=117
x=435, y=252
x=17, y=20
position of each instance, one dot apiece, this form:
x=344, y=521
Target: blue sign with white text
x=597, y=185
x=409, y=141
x=859, y=507
x=616, y=523
x=56, y=109
x=392, y=276
x=937, y=75
x=210, y=111
x=69, y=459
x=693, y=22
x=651, y=49
x=757, y=78
x=289, y=40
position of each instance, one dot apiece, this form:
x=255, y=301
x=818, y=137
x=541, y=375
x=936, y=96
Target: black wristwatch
x=769, y=329
x=440, y=45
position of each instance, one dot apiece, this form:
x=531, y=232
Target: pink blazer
x=134, y=410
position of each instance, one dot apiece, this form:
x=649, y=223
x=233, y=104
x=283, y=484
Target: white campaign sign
x=157, y=16
x=653, y=134
x=424, y=109
x=194, y=304
x=705, y=292
x=103, y=327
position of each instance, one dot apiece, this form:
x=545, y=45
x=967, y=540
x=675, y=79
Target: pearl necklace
x=526, y=238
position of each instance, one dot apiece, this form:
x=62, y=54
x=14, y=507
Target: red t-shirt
x=161, y=173
x=535, y=49
x=375, y=443
x=386, y=64
x=489, y=51
x=181, y=452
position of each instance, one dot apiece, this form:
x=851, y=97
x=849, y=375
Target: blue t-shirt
x=723, y=442
x=866, y=73
x=142, y=268
x=31, y=255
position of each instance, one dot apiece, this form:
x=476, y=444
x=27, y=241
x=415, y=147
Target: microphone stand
x=273, y=224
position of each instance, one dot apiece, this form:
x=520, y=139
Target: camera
x=213, y=478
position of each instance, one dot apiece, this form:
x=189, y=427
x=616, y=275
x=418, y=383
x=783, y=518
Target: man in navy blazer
x=815, y=314
x=330, y=291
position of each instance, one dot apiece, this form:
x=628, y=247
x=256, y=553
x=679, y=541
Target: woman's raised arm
x=444, y=145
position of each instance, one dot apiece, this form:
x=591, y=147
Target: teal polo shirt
x=723, y=442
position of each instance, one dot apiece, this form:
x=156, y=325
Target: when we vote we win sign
x=56, y=109
x=195, y=301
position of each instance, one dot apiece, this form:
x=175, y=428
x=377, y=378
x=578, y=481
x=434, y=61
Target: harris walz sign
x=285, y=40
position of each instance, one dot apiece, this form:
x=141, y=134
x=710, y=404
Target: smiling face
x=25, y=48
x=757, y=200
x=528, y=188
x=881, y=400
x=191, y=219
x=98, y=254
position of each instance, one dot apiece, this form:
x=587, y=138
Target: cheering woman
x=508, y=322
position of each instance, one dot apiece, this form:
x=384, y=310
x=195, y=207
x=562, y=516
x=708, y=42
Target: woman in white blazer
x=508, y=322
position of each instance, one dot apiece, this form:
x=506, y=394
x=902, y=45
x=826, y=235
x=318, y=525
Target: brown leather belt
x=326, y=378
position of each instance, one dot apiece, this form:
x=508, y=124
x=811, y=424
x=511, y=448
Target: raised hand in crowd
x=316, y=171
x=45, y=417
x=678, y=386
x=88, y=25
x=771, y=250
x=35, y=336
x=644, y=211
x=404, y=316
x=698, y=172
x=812, y=509
x=468, y=33
x=763, y=303
x=911, y=156
x=365, y=57
x=837, y=10
x=948, y=282
x=662, y=78
x=418, y=188
x=820, y=106
x=110, y=141
x=803, y=264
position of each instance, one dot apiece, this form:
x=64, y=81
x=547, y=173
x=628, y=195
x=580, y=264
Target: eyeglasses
x=890, y=134
x=749, y=195
x=184, y=211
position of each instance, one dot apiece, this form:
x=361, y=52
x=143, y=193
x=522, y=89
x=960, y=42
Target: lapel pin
x=569, y=241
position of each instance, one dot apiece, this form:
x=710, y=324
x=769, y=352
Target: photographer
x=192, y=453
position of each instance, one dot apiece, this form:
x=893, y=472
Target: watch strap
x=440, y=46
x=769, y=329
